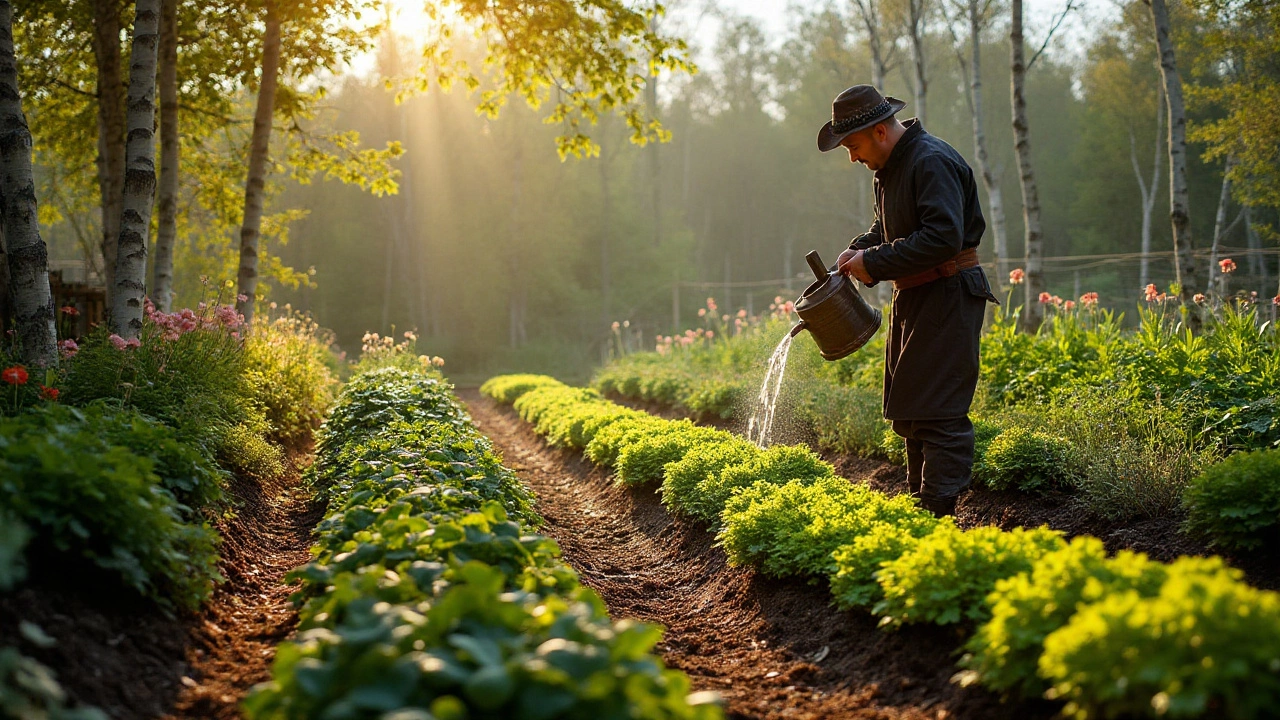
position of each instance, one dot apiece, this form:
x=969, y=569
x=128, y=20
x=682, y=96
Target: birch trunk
x=256, y=183
x=28, y=258
x=140, y=175
x=1217, y=281
x=868, y=10
x=990, y=177
x=516, y=300
x=1179, y=205
x=915, y=21
x=1032, y=314
x=1148, y=192
x=167, y=230
x=111, y=140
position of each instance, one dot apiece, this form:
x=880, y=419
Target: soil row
x=773, y=649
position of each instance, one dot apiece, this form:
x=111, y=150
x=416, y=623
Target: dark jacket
x=926, y=213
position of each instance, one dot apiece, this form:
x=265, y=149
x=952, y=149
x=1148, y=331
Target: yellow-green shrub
x=1207, y=645
x=287, y=368
x=506, y=389
x=776, y=465
x=1026, y=608
x=682, y=480
x=855, y=582
x=610, y=439
x=947, y=576
x=642, y=461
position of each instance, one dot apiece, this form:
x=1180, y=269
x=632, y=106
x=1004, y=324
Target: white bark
x=990, y=176
x=1148, y=191
x=1032, y=313
x=140, y=175
x=916, y=10
x=881, y=48
x=27, y=256
x=1179, y=204
x=256, y=183
x=167, y=229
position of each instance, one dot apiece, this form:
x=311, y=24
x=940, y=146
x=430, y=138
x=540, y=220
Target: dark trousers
x=939, y=459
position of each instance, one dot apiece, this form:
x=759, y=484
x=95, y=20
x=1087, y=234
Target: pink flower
x=1069, y=305
x=742, y=313
x=1017, y=276
x=702, y=312
x=710, y=334
x=69, y=311
x=789, y=307
x=1227, y=265
x=1089, y=298
x=1151, y=294
x=1045, y=298
x=132, y=343
x=68, y=348
x=616, y=325
x=1275, y=300
x=711, y=304
x=117, y=342
x=227, y=316
x=242, y=298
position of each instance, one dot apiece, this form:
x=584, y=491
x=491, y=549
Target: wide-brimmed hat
x=857, y=108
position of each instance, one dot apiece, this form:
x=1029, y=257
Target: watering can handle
x=816, y=265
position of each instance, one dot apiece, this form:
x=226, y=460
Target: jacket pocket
x=975, y=281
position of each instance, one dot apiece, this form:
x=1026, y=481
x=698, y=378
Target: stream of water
x=760, y=427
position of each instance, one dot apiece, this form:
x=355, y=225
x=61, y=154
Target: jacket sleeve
x=940, y=209
x=872, y=237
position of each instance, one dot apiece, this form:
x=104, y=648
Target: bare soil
x=773, y=649
x=133, y=661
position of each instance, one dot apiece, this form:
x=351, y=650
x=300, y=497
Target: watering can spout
x=799, y=326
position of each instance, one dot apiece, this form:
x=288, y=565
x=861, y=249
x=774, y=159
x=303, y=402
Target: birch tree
x=28, y=258
x=140, y=175
x=1032, y=313
x=111, y=130
x=167, y=228
x=1184, y=267
x=880, y=40
x=256, y=181
x=917, y=11
x=1220, y=229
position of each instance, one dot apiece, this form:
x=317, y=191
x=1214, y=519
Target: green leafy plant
x=1029, y=460
x=855, y=582
x=506, y=389
x=643, y=461
x=1205, y=646
x=287, y=363
x=1026, y=608
x=86, y=498
x=682, y=480
x=946, y=576
x=777, y=465
x=30, y=691
x=1236, y=503
x=609, y=441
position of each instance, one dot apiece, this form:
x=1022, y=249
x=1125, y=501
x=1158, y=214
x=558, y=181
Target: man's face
x=869, y=146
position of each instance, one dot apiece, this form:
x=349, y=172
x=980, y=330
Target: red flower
x=69, y=311
x=16, y=375
x=1016, y=276
x=1227, y=265
x=49, y=393
x=1045, y=298
x=1152, y=295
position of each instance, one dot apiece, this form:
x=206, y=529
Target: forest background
x=503, y=256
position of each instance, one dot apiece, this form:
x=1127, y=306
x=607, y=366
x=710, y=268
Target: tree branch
x=1057, y=23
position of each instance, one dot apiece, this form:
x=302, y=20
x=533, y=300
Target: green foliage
x=86, y=498
x=609, y=441
x=682, y=481
x=792, y=529
x=946, y=576
x=1029, y=460
x=29, y=691
x=1026, y=608
x=425, y=593
x=1236, y=503
x=1205, y=646
x=777, y=465
x=287, y=363
x=846, y=419
x=855, y=582
x=643, y=461
x=506, y=389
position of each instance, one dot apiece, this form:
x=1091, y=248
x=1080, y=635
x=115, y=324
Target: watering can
x=834, y=313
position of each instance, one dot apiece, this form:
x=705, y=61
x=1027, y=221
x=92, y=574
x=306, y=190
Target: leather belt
x=965, y=260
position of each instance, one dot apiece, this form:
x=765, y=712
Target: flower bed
x=1123, y=635
x=430, y=597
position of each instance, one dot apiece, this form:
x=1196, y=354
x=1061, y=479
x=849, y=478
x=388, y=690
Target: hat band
x=845, y=125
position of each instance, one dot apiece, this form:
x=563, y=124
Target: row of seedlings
x=1109, y=636
x=430, y=598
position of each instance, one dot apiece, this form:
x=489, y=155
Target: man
x=924, y=239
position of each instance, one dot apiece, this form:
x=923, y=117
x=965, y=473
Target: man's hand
x=850, y=263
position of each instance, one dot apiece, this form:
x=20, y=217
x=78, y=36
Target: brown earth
x=133, y=661
x=772, y=648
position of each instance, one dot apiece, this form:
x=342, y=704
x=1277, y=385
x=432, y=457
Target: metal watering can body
x=833, y=312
